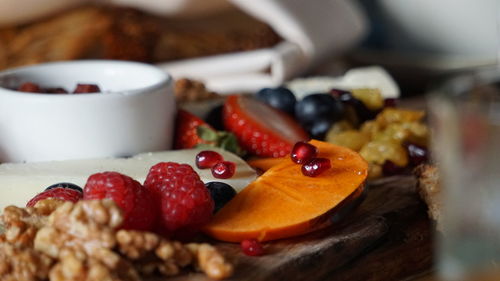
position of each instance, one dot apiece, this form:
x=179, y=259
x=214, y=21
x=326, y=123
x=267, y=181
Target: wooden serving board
x=388, y=237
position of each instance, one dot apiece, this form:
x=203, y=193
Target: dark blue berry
x=319, y=128
x=221, y=193
x=214, y=118
x=66, y=185
x=280, y=98
x=318, y=108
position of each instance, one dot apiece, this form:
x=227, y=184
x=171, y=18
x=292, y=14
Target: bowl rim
x=164, y=80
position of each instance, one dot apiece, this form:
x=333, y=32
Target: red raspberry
x=130, y=195
x=64, y=194
x=183, y=199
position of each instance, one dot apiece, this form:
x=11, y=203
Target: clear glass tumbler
x=465, y=120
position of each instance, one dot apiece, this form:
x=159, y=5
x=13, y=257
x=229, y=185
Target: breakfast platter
x=277, y=184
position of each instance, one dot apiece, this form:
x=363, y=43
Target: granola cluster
x=80, y=241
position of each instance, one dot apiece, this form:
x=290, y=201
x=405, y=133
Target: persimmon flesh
x=283, y=203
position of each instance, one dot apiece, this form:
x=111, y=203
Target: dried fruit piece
x=352, y=139
x=29, y=87
x=301, y=202
x=86, y=88
x=370, y=97
x=396, y=115
x=380, y=151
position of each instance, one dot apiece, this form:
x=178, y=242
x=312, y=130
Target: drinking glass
x=464, y=116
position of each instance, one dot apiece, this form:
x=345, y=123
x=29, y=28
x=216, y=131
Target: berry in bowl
x=84, y=109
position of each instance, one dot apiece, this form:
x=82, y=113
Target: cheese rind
x=19, y=182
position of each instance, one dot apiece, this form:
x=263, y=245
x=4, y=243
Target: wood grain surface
x=388, y=237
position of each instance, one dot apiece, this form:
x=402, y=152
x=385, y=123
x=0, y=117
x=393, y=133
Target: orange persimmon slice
x=264, y=164
x=283, y=203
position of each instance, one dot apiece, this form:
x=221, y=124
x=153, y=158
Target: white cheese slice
x=19, y=182
x=364, y=77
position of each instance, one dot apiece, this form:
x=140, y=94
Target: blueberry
x=66, y=185
x=318, y=106
x=319, y=128
x=221, y=193
x=280, y=98
x=214, y=118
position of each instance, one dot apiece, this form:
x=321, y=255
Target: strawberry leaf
x=207, y=134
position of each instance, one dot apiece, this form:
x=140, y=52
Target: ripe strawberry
x=130, y=195
x=186, y=131
x=184, y=201
x=60, y=193
x=261, y=129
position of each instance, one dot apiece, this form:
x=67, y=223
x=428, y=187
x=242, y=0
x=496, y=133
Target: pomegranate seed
x=391, y=169
x=252, y=247
x=391, y=102
x=86, y=88
x=30, y=88
x=315, y=166
x=223, y=170
x=303, y=151
x=207, y=159
x=417, y=154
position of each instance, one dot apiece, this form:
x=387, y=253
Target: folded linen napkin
x=313, y=31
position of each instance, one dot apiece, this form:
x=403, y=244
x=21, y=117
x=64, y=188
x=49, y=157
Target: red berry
x=389, y=168
x=303, y=151
x=86, y=88
x=64, y=194
x=128, y=194
x=184, y=201
x=223, y=170
x=30, y=88
x=207, y=159
x=390, y=102
x=315, y=166
x=252, y=247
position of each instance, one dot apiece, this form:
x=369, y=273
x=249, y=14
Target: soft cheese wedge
x=19, y=182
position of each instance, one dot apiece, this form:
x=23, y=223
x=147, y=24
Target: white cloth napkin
x=313, y=31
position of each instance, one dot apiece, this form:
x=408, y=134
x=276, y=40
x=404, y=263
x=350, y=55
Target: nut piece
x=21, y=225
x=210, y=261
x=79, y=241
x=22, y=263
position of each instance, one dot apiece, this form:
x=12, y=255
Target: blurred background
x=233, y=45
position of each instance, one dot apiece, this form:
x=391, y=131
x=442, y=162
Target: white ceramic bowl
x=135, y=113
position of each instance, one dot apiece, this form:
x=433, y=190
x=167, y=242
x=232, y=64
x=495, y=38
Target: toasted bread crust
x=102, y=32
